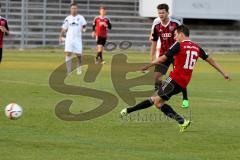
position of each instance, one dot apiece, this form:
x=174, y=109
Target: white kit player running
x=73, y=26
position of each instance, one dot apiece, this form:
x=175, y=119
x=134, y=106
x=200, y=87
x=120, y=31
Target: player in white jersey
x=73, y=26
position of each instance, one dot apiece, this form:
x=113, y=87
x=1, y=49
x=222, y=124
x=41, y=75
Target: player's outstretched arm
x=217, y=67
x=163, y=58
x=171, y=52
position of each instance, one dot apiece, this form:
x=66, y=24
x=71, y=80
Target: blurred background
x=214, y=24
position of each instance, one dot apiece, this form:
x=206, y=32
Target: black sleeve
x=155, y=34
x=173, y=50
x=94, y=24
x=7, y=28
x=109, y=24
x=203, y=54
x=6, y=25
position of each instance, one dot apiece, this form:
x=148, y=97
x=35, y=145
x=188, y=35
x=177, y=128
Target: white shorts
x=75, y=48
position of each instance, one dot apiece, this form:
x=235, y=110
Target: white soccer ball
x=13, y=111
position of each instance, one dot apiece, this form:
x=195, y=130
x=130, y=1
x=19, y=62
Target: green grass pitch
x=40, y=135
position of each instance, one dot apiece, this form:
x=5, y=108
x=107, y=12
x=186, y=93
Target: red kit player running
x=185, y=54
x=4, y=30
x=100, y=26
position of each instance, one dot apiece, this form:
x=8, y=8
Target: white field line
x=24, y=83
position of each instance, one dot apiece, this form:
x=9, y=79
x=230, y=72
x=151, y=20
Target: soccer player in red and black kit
x=165, y=31
x=100, y=26
x=185, y=54
x=4, y=30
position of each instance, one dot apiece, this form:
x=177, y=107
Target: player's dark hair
x=183, y=29
x=102, y=7
x=163, y=6
x=73, y=4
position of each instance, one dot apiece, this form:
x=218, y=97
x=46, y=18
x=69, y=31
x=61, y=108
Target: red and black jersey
x=4, y=23
x=185, y=56
x=166, y=34
x=100, y=26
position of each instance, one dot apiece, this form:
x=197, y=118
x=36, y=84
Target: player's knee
x=159, y=102
x=99, y=47
x=153, y=99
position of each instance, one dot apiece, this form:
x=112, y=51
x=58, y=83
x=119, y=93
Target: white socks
x=68, y=60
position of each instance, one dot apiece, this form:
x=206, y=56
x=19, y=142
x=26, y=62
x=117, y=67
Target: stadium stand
x=36, y=23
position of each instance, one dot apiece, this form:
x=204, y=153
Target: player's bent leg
x=143, y=105
x=170, y=88
x=157, y=101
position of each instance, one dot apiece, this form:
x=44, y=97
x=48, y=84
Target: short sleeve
x=83, y=21
x=173, y=50
x=203, y=54
x=65, y=24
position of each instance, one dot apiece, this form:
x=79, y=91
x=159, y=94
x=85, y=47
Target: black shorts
x=163, y=67
x=168, y=89
x=101, y=41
